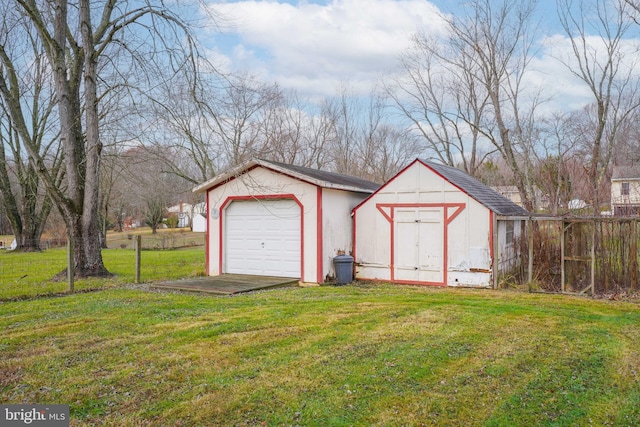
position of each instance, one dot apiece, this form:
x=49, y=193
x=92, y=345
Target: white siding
x=260, y=183
x=509, y=236
x=199, y=223
x=337, y=225
x=440, y=210
x=321, y=239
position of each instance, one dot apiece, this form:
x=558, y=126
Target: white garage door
x=262, y=237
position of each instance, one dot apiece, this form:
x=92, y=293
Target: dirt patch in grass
x=10, y=376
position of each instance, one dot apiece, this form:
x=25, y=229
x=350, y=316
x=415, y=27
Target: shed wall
x=510, y=233
x=337, y=225
x=466, y=232
x=262, y=183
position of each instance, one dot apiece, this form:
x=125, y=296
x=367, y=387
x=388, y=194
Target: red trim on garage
x=319, y=240
x=233, y=177
x=353, y=240
x=447, y=219
x=393, y=239
x=402, y=171
x=231, y=199
x=317, y=182
x=207, y=252
x=386, y=184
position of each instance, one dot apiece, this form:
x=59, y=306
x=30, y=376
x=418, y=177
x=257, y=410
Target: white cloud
x=314, y=47
x=552, y=69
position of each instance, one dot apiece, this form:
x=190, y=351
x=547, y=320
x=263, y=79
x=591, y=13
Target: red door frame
x=448, y=218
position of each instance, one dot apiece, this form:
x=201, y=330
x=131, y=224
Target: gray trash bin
x=344, y=269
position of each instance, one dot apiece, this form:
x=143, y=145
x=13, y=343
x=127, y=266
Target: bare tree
x=113, y=191
x=556, y=149
x=180, y=121
x=499, y=40
x=218, y=121
x=466, y=89
x=24, y=198
x=26, y=110
x=627, y=146
x=293, y=136
x=155, y=212
x=344, y=112
x=383, y=148
x=239, y=118
x=439, y=95
x=363, y=141
x=84, y=42
x=604, y=59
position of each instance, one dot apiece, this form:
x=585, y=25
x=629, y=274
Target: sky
x=319, y=46
x=314, y=46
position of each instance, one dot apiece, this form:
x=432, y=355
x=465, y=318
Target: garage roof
x=474, y=188
x=314, y=176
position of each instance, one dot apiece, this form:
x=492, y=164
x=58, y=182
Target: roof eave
x=233, y=172
x=625, y=179
x=238, y=170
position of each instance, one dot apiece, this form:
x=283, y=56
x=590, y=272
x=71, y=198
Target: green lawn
x=327, y=356
x=29, y=274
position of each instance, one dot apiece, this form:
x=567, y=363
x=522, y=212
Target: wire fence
x=158, y=241
x=596, y=256
x=169, y=256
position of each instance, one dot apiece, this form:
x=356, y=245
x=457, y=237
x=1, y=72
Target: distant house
x=187, y=213
x=625, y=190
x=183, y=212
x=509, y=192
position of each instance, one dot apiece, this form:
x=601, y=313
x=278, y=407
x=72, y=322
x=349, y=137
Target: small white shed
x=273, y=219
x=199, y=223
x=434, y=225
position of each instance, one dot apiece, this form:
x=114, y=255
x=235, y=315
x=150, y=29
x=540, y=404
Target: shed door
x=262, y=237
x=419, y=245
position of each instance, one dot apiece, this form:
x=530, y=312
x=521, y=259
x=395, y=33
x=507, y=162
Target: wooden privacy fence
x=576, y=255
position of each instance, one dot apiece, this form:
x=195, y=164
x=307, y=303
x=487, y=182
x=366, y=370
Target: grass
x=353, y=355
x=24, y=275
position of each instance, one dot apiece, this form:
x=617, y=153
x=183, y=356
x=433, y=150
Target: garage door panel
x=263, y=238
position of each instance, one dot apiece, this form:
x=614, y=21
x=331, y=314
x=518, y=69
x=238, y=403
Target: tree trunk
x=82, y=153
x=87, y=256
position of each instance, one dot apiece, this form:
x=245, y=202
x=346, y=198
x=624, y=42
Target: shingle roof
x=474, y=188
x=330, y=177
x=317, y=177
x=626, y=172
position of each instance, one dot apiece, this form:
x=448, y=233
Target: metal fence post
x=70, y=264
x=592, y=283
x=530, y=263
x=138, y=247
x=496, y=250
x=563, y=237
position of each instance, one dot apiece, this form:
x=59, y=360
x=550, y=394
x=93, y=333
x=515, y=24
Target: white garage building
x=435, y=225
x=272, y=219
